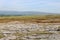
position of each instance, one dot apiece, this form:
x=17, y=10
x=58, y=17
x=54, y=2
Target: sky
x=52, y=6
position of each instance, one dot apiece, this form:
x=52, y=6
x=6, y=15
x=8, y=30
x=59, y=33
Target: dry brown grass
x=36, y=19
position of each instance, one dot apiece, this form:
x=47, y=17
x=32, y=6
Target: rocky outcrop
x=30, y=31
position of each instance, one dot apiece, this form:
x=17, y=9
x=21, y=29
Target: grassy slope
x=37, y=19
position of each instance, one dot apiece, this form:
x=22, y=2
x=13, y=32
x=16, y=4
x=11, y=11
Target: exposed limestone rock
x=30, y=31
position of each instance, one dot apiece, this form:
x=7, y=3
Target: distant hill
x=23, y=13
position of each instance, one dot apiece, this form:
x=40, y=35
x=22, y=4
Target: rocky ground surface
x=29, y=31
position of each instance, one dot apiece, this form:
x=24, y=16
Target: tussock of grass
x=19, y=34
x=1, y=36
x=41, y=32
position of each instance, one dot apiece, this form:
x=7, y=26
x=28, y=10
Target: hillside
x=33, y=19
x=25, y=13
x=36, y=27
